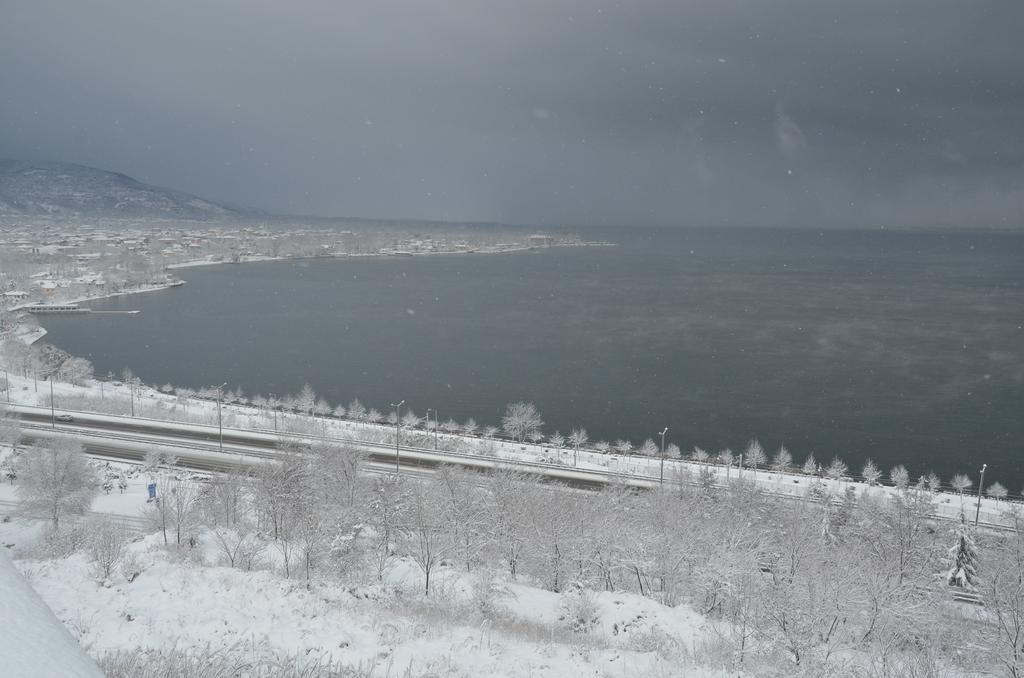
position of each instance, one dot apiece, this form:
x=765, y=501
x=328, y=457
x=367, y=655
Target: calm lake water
x=903, y=347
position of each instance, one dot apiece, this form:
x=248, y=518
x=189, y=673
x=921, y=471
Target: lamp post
x=661, y=479
x=273, y=406
x=437, y=425
x=981, y=486
x=53, y=414
x=220, y=426
x=131, y=394
x=398, y=424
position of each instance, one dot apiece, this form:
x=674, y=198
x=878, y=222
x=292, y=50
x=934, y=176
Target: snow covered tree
x=410, y=419
x=1003, y=590
x=557, y=441
x=699, y=454
x=963, y=557
x=602, y=446
x=648, y=448
x=356, y=410
x=672, y=451
x=306, y=400
x=961, y=483
x=10, y=433
x=871, y=472
x=106, y=540
x=810, y=466
x=520, y=420
x=182, y=499
x=387, y=506
x=77, y=371
x=9, y=466
x=578, y=438
x=836, y=469
x=754, y=456
x=422, y=539
x=726, y=458
x=490, y=431
x=55, y=481
x=322, y=408
x=623, y=447
x=10, y=429
x=470, y=427
x=782, y=460
x=900, y=477
x=996, y=491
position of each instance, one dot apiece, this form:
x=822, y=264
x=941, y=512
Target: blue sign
x=152, y=490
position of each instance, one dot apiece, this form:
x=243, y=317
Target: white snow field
x=381, y=629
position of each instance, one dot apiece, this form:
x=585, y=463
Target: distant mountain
x=65, y=189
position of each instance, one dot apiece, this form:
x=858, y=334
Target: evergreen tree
x=963, y=557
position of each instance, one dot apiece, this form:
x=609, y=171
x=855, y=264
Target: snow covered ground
x=472, y=625
x=476, y=624
x=151, y=403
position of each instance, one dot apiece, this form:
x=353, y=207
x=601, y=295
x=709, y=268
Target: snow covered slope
x=64, y=189
x=34, y=644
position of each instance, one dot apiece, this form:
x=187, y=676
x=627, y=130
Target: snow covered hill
x=65, y=189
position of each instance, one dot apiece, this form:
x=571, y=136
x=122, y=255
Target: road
x=198, y=447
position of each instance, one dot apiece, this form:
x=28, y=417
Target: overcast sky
x=719, y=112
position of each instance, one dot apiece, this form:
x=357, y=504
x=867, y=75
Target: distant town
x=52, y=267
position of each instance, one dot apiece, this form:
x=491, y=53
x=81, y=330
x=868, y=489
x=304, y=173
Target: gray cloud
x=735, y=112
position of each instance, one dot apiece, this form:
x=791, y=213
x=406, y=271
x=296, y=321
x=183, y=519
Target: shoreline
x=32, y=336
x=197, y=263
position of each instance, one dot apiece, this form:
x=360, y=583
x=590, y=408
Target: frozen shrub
x=579, y=609
x=106, y=542
x=131, y=566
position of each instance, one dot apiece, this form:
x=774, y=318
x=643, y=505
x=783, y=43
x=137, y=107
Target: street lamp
x=398, y=423
x=436, y=425
x=53, y=415
x=220, y=426
x=981, y=486
x=661, y=479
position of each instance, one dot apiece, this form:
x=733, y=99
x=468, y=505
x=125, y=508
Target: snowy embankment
x=182, y=600
x=384, y=629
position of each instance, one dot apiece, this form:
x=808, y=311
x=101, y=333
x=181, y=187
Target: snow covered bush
x=963, y=557
x=106, y=542
x=579, y=609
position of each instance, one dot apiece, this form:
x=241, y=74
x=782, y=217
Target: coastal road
x=198, y=447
